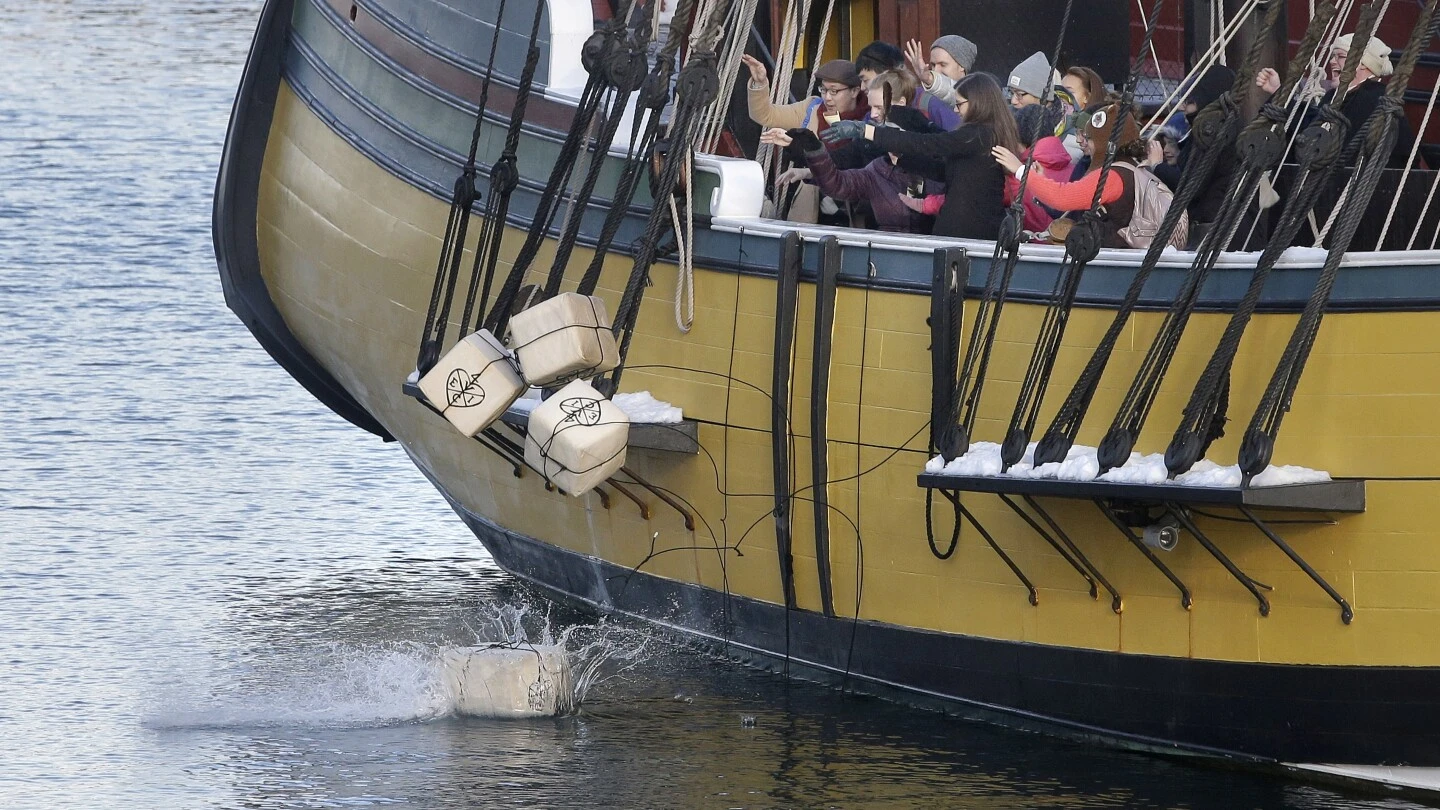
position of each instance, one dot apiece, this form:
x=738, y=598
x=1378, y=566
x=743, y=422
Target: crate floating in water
x=505, y=681
x=473, y=383
x=577, y=438
x=565, y=338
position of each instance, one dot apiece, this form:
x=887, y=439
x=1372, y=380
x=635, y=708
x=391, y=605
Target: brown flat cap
x=839, y=70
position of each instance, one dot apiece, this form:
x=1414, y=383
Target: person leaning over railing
x=1118, y=198
x=840, y=99
x=974, y=205
x=1363, y=95
x=882, y=57
x=881, y=183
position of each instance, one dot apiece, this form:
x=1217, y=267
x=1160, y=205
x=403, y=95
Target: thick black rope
x=594, y=55
x=1082, y=245
x=1259, y=148
x=1379, y=138
x=971, y=383
x=504, y=177
x=627, y=71
x=697, y=86
x=1213, y=131
x=644, y=133
x=1319, y=148
x=452, y=245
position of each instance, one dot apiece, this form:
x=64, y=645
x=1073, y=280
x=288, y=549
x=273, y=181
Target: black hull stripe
x=1263, y=712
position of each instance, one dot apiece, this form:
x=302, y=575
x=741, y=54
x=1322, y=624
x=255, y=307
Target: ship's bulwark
x=346, y=251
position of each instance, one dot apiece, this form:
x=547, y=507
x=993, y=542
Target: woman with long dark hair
x=975, y=204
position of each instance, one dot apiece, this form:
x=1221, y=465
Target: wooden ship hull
x=349, y=129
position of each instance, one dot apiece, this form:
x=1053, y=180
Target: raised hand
x=1154, y=153
x=1268, y=80
x=843, y=131
x=758, y=74
x=776, y=137
x=804, y=140
x=919, y=61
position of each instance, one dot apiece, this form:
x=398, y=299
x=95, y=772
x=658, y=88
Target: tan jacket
x=806, y=207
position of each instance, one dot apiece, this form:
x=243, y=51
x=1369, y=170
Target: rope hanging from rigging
x=452, y=244
x=696, y=88
x=1320, y=149
x=644, y=135
x=970, y=383
x=1258, y=444
x=595, y=55
x=1213, y=132
x=1082, y=245
x=625, y=72
x=1258, y=148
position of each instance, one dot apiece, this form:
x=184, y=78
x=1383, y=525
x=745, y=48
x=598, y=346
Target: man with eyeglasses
x=838, y=98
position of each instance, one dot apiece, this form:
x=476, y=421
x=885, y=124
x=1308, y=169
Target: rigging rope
x=971, y=383
x=644, y=134
x=625, y=72
x=698, y=85
x=1082, y=245
x=1210, y=57
x=594, y=55
x=452, y=244
x=1320, y=148
x=1380, y=134
x=1213, y=132
x=1409, y=162
x=1258, y=149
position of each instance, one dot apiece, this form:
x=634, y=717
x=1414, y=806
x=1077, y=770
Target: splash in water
x=596, y=652
x=341, y=685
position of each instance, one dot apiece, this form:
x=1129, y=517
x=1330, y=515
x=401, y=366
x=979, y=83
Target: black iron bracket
x=1015, y=569
x=1057, y=538
x=1106, y=509
x=1347, y=614
x=664, y=496
x=1251, y=584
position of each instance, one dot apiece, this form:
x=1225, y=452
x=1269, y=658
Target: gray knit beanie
x=1032, y=76
x=962, y=50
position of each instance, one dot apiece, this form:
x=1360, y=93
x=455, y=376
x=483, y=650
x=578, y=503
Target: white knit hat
x=1376, y=57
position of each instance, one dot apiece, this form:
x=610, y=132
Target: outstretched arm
x=966, y=140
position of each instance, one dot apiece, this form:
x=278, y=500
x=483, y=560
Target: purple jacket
x=879, y=182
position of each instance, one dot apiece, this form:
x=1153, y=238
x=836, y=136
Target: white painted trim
x=1412, y=778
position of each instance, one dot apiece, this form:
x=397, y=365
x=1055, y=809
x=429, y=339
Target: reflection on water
x=216, y=594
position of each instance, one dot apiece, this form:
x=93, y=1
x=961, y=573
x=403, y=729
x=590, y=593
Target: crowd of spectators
x=917, y=141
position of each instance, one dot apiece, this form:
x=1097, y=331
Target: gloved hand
x=843, y=131
x=804, y=140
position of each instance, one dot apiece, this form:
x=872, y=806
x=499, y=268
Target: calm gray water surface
x=214, y=593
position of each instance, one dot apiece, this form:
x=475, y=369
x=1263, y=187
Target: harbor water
x=215, y=593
